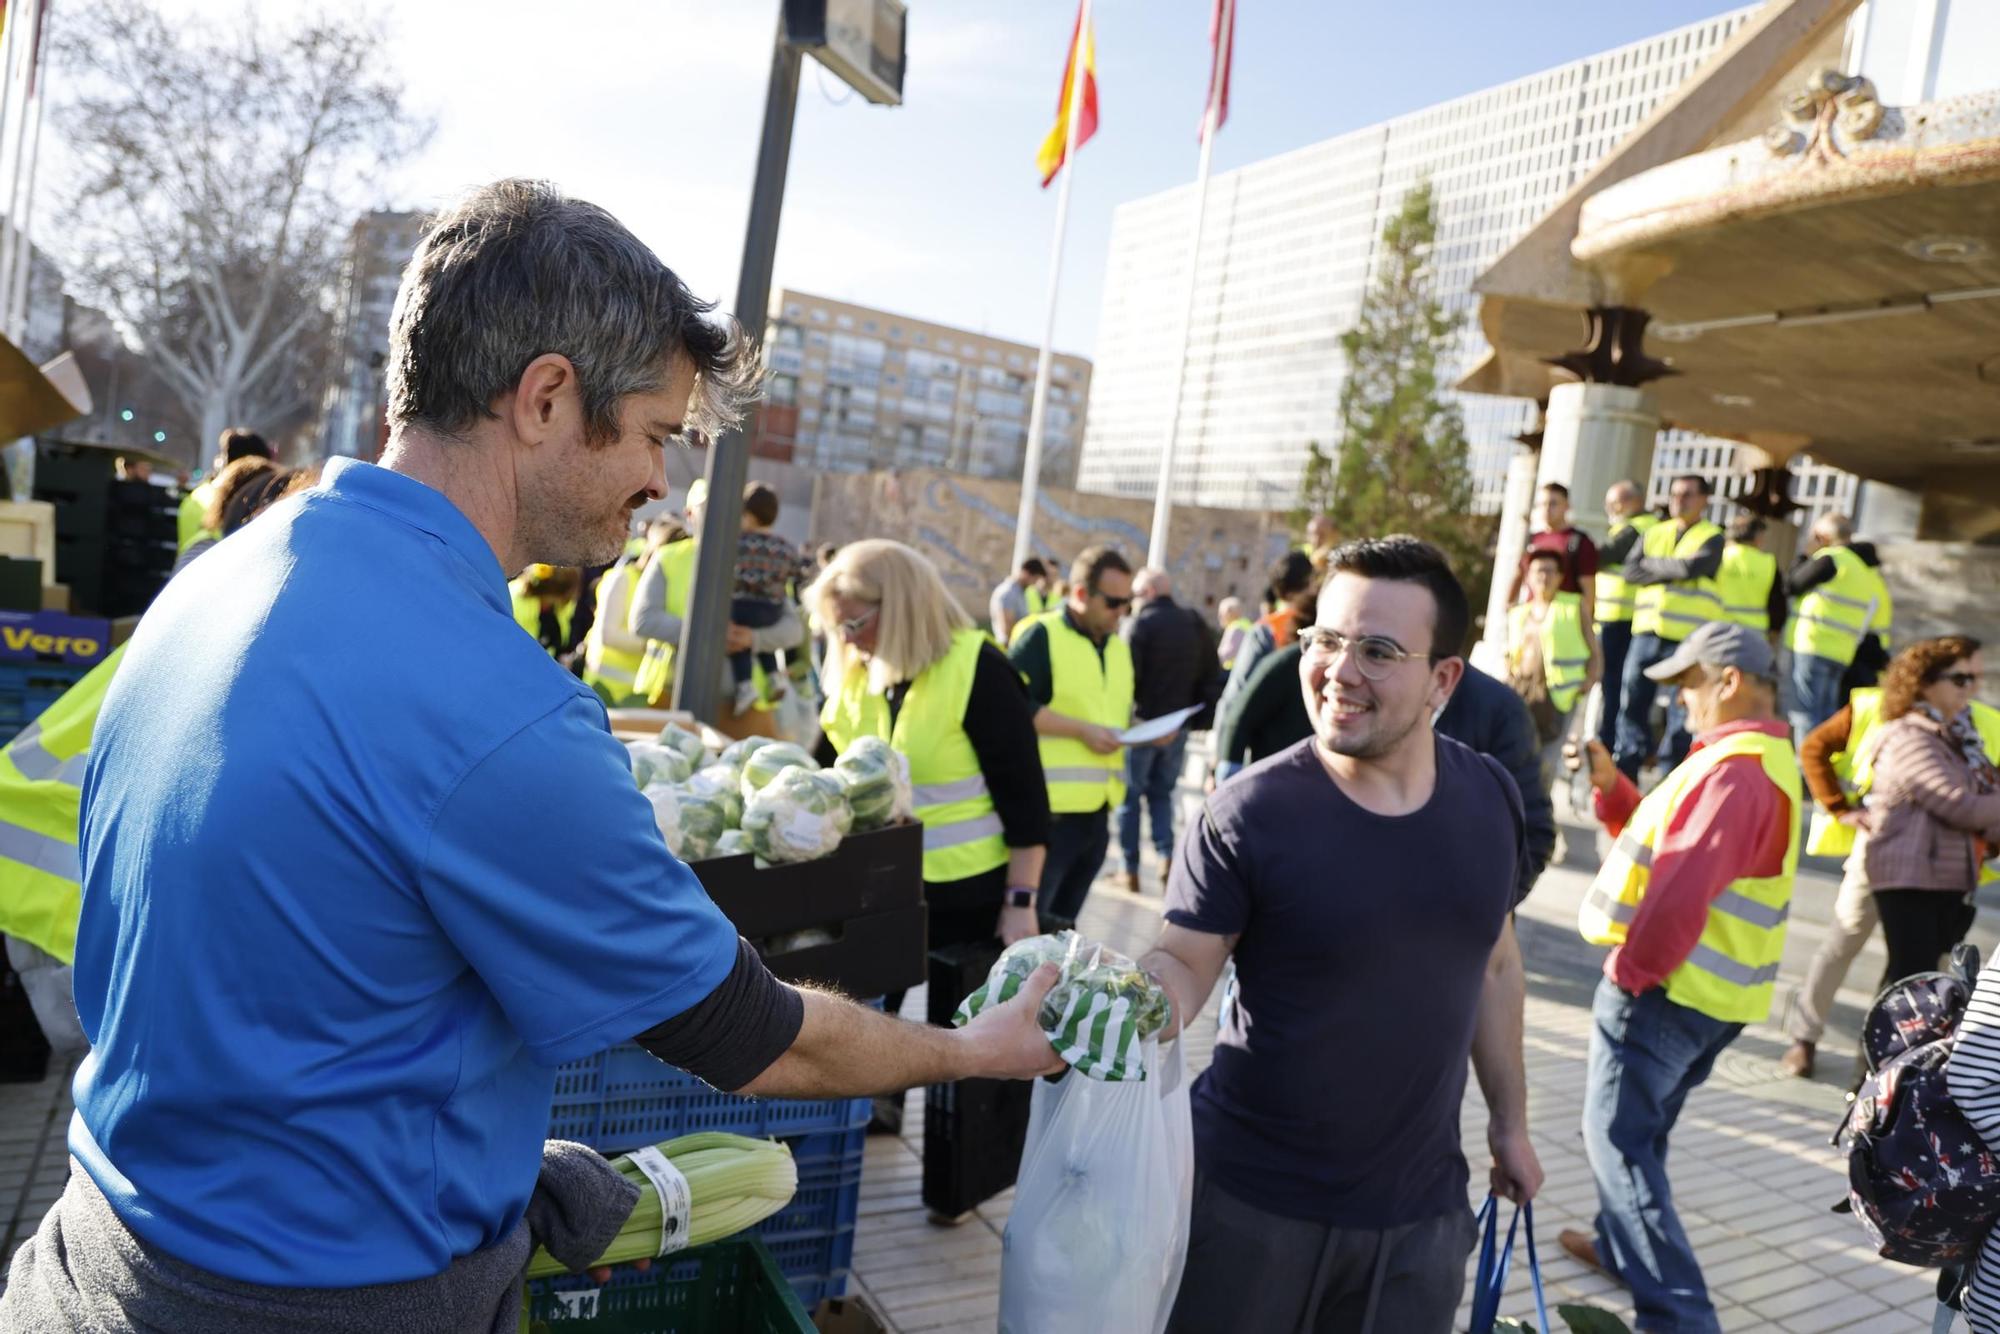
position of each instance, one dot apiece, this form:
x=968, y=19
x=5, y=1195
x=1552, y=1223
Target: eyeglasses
x=1115, y=604
x=856, y=624
x=1375, y=655
x=1963, y=680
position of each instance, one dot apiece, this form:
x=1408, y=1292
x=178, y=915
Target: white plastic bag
x=1098, y=1234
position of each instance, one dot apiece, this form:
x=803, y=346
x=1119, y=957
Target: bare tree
x=214, y=171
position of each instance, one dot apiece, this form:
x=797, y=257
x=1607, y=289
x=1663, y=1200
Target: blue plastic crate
x=829, y=1194
x=27, y=688
x=624, y=1098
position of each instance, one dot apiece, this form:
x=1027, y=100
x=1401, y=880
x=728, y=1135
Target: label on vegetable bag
x=676, y=1200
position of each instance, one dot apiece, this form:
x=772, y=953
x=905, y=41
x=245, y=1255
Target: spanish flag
x=1055, y=146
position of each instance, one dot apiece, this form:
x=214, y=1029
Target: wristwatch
x=1018, y=897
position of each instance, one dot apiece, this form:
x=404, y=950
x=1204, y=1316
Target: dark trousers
x=1919, y=926
x=754, y=614
x=1637, y=695
x=1077, y=844
x=1252, y=1271
x=1647, y=1054
x=1616, y=638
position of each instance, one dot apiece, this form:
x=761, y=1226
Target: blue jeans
x=1636, y=694
x=1151, y=773
x=1815, y=692
x=1616, y=639
x=1646, y=1055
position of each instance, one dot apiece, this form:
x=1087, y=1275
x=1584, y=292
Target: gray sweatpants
x=1262, y=1273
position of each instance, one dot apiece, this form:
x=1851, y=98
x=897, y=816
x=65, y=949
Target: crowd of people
x=275, y=858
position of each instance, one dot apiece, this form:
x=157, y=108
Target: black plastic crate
x=973, y=1129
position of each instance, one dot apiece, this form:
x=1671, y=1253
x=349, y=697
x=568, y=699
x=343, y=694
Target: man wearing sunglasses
x=1078, y=670
x=1362, y=880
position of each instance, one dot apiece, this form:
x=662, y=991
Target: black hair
x=1707, y=487
x=1092, y=563
x=1556, y=488
x=1412, y=560
x=1033, y=565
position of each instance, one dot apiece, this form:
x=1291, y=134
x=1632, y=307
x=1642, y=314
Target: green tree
x=1402, y=462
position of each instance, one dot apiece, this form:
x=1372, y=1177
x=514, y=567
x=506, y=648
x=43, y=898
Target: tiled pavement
x=1753, y=1175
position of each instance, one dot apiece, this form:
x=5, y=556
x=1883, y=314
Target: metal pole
x=1163, y=500
x=698, y=676
x=1031, y=463
x=13, y=128
x=24, y=263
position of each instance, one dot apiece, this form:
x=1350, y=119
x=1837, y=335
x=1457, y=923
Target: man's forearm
x=1050, y=723
x=845, y=1050
x=1496, y=1035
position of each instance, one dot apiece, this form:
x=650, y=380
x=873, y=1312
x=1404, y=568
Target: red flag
x=1055, y=145
x=1222, y=45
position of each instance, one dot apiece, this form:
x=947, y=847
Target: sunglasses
x=1116, y=604
x=1963, y=680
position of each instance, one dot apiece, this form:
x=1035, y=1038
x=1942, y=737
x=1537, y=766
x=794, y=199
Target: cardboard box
x=55, y=597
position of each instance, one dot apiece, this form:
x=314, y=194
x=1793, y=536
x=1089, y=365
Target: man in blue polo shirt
x=359, y=872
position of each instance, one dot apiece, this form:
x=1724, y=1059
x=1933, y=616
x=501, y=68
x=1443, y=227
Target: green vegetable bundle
x=688, y=743
x=721, y=784
x=877, y=779
x=734, y=1182
x=1097, y=1014
x=768, y=761
x=654, y=763
x=797, y=815
x=736, y=752
x=703, y=818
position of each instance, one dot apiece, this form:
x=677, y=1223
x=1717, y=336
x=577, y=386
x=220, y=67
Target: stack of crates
x=625, y=1098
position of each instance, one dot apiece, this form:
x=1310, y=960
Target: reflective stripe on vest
x=1672, y=611
x=1731, y=973
x=1744, y=585
x=613, y=670
x=41, y=778
x=962, y=831
x=1614, y=595
x=656, y=666
x=1565, y=654
x=1093, y=688
x=1833, y=617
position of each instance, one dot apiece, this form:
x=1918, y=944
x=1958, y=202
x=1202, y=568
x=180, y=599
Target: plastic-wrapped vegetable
x=766, y=763
x=1099, y=1012
x=703, y=820
x=675, y=737
x=666, y=814
x=733, y=843
x=736, y=752
x=721, y=783
x=654, y=763
x=877, y=778
x=797, y=816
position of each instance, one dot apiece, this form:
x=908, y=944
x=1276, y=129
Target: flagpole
x=1031, y=462
x=1163, y=503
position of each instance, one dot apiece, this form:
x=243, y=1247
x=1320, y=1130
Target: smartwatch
x=1020, y=898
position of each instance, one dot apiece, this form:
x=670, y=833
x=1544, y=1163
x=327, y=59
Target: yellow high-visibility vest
x=41, y=792
x=1674, y=610
x=1855, y=766
x=1565, y=653
x=962, y=831
x=1744, y=585
x=190, y=521
x=1097, y=689
x=656, y=666
x=1614, y=596
x=1832, y=618
x=611, y=671
x=528, y=614
x=1733, y=969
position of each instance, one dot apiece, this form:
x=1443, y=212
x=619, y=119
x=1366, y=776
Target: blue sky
x=933, y=208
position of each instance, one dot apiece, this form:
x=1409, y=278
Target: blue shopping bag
x=1490, y=1279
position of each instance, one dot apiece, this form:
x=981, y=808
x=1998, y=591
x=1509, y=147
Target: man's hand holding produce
x=1008, y=1042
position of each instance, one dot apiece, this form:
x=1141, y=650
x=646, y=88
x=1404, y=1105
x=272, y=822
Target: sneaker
x=1797, y=1061
x=746, y=697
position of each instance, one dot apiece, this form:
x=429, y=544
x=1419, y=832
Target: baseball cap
x=1720, y=644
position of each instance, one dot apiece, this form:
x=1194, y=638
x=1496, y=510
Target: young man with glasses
x=1078, y=670
x=1374, y=860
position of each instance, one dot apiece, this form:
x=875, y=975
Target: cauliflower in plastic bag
x=736, y=752
x=654, y=763
x=798, y=815
x=721, y=784
x=764, y=765
x=666, y=814
x=877, y=778
x=733, y=843
x=689, y=743
x=1099, y=1012
x=703, y=820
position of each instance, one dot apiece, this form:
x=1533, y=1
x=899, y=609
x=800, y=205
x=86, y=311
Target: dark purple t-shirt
x=1338, y=1073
